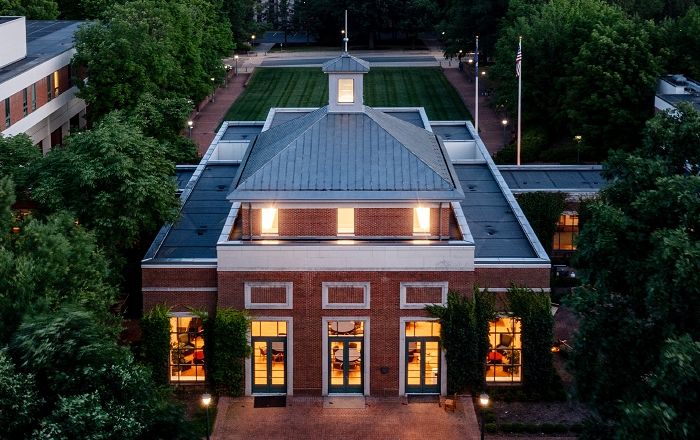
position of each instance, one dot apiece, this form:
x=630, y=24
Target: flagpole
x=520, y=95
x=476, y=92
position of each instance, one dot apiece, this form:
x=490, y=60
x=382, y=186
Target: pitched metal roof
x=344, y=156
x=346, y=63
x=563, y=178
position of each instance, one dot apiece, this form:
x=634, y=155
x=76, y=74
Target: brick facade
x=17, y=98
x=423, y=295
x=369, y=222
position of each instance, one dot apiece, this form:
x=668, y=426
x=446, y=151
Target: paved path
x=306, y=418
x=212, y=111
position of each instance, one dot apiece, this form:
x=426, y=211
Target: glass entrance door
x=422, y=357
x=346, y=365
x=269, y=359
x=345, y=356
x=269, y=365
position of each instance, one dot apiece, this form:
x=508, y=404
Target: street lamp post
x=235, y=58
x=190, y=124
x=483, y=403
x=252, y=39
x=206, y=401
x=213, y=90
x=227, y=68
x=504, y=122
x=578, y=139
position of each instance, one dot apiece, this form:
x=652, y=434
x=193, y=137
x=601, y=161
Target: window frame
x=198, y=379
x=513, y=366
x=33, y=96
x=346, y=81
x=8, y=113
x=25, y=101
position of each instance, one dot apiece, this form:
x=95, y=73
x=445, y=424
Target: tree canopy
x=32, y=9
x=116, y=180
x=639, y=258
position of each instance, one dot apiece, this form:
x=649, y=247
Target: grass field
x=384, y=87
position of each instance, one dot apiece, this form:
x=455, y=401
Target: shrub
x=226, y=349
x=155, y=344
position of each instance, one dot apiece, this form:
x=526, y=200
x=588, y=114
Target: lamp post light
x=190, y=124
x=213, y=90
x=206, y=401
x=227, y=68
x=578, y=139
x=504, y=122
x=483, y=403
x=252, y=40
x=235, y=58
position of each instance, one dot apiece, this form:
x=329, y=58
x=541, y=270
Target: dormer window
x=269, y=221
x=346, y=91
x=421, y=221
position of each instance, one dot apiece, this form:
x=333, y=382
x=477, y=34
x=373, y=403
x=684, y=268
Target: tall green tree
x=681, y=38
x=115, y=179
x=610, y=85
x=91, y=387
x=47, y=263
x=639, y=258
x=17, y=156
x=151, y=46
x=32, y=9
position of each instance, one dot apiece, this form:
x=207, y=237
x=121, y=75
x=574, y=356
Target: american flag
x=518, y=60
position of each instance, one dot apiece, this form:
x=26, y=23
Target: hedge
x=226, y=349
x=155, y=342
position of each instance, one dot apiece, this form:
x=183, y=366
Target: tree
x=115, y=179
x=610, y=85
x=681, y=37
x=32, y=9
x=48, y=263
x=639, y=258
x=17, y=155
x=572, y=49
x=19, y=400
x=148, y=46
x=463, y=20
x=92, y=387
x=672, y=397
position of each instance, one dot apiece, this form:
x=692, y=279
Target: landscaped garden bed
x=558, y=417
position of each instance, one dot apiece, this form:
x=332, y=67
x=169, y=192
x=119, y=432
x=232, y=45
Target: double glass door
x=422, y=365
x=345, y=365
x=269, y=364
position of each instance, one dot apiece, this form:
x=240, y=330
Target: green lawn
x=384, y=87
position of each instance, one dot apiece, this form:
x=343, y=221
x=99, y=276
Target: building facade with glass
x=334, y=228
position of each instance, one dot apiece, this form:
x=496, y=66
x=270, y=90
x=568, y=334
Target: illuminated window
x=186, y=349
x=345, y=90
x=346, y=221
x=269, y=221
x=56, y=86
x=421, y=221
x=567, y=231
x=504, y=359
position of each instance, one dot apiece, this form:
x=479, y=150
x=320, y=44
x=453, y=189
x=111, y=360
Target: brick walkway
x=306, y=418
x=490, y=126
x=211, y=113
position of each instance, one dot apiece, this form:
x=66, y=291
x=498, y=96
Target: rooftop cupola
x=345, y=74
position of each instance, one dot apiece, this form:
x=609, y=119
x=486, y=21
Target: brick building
x=334, y=227
x=37, y=96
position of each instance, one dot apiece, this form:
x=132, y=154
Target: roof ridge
x=377, y=114
x=287, y=139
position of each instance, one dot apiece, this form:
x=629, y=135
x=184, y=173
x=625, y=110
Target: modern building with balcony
x=37, y=97
x=334, y=227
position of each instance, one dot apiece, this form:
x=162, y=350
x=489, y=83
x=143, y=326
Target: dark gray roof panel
x=281, y=117
x=346, y=63
x=46, y=39
x=202, y=217
x=333, y=153
x=183, y=173
x=496, y=231
x=553, y=177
